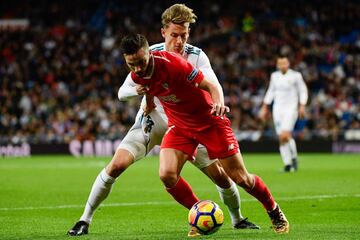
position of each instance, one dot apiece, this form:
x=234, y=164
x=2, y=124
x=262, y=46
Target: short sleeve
x=193, y=75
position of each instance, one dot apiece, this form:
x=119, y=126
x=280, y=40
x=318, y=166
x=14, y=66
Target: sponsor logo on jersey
x=193, y=74
x=169, y=98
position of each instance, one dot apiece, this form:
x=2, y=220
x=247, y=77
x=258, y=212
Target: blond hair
x=178, y=14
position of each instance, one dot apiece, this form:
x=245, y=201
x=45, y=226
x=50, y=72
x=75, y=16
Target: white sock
x=231, y=198
x=99, y=191
x=285, y=153
x=293, y=149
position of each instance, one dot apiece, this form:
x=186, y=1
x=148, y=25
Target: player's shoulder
x=275, y=73
x=192, y=50
x=294, y=72
x=171, y=61
x=157, y=47
x=167, y=56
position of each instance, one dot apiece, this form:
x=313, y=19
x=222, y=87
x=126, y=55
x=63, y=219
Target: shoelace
x=280, y=222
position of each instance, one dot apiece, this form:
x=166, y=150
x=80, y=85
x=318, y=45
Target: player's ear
x=163, y=32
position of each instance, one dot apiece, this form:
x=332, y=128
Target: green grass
x=42, y=197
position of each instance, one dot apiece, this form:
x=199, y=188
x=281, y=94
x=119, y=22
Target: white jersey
x=192, y=54
x=286, y=90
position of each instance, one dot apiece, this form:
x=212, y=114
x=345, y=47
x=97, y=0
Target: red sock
x=262, y=193
x=183, y=193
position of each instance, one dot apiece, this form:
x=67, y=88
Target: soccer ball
x=206, y=216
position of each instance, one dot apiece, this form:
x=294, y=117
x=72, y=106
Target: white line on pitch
x=318, y=197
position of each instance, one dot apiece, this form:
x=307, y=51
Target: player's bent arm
x=302, y=90
x=217, y=96
x=127, y=89
x=270, y=93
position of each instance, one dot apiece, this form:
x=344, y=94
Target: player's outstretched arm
x=215, y=90
x=127, y=89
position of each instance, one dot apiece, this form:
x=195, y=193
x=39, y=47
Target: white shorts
x=284, y=121
x=139, y=143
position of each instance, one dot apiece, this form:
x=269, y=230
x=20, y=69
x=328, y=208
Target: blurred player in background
x=148, y=131
x=288, y=91
x=195, y=109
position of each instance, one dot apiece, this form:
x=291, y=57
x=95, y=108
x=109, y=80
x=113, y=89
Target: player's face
x=176, y=36
x=138, y=62
x=283, y=64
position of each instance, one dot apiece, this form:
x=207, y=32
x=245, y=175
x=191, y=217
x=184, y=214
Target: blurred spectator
x=59, y=77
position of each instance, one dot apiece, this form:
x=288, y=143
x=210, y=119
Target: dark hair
x=281, y=55
x=131, y=43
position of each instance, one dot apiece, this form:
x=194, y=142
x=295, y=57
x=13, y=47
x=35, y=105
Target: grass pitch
x=42, y=197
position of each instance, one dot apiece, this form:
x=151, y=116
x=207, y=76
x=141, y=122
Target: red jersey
x=174, y=82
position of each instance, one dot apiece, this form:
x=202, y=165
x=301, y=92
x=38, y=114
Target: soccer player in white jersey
x=149, y=129
x=288, y=91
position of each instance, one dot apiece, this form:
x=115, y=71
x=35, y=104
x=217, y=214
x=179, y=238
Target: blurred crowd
x=59, y=77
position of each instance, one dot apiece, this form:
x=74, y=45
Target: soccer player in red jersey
x=196, y=115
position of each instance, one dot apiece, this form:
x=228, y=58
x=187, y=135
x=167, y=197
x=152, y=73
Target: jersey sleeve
x=302, y=89
x=269, y=96
x=204, y=65
x=195, y=76
x=127, y=89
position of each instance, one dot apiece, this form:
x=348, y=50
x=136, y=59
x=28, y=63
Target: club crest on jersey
x=193, y=74
x=165, y=85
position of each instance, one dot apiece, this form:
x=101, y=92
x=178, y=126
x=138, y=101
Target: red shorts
x=219, y=140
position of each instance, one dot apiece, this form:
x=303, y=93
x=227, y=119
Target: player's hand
x=148, y=108
x=219, y=109
x=141, y=89
x=302, y=112
x=264, y=113
x=149, y=105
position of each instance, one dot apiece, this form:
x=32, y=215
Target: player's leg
x=133, y=147
x=176, y=149
x=292, y=145
x=285, y=152
x=101, y=188
x=229, y=193
x=226, y=149
x=171, y=163
x=294, y=153
x=235, y=168
x=287, y=143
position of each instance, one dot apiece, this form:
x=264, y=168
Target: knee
x=119, y=164
x=169, y=178
x=284, y=138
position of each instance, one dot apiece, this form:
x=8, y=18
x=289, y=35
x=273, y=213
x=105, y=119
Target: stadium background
x=61, y=70
x=59, y=75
